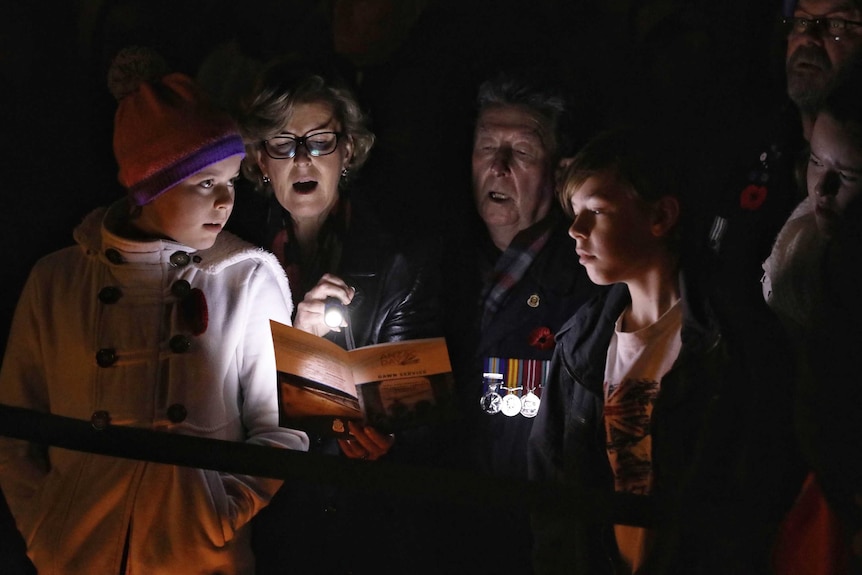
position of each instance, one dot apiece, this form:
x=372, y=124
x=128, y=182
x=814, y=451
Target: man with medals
x=511, y=278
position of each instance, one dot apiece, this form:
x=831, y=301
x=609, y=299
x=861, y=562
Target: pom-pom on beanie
x=165, y=129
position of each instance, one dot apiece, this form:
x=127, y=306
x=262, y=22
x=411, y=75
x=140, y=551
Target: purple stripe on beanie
x=147, y=190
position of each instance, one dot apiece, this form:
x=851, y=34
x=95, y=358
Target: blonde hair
x=279, y=89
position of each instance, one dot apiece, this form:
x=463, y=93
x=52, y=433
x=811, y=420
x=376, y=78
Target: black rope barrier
x=241, y=458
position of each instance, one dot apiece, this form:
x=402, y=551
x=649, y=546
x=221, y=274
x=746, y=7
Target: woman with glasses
x=306, y=138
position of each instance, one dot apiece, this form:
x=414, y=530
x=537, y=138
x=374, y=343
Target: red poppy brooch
x=542, y=338
x=752, y=197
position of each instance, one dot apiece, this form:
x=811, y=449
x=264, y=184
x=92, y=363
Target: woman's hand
x=309, y=312
x=366, y=442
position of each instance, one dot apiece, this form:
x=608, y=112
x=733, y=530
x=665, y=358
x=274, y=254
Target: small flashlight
x=333, y=312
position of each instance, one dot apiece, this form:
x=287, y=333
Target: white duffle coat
x=114, y=331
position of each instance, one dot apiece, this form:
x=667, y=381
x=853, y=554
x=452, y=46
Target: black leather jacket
x=725, y=463
x=319, y=528
x=395, y=296
x=395, y=292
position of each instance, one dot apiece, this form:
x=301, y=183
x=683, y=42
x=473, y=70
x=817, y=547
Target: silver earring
x=266, y=180
x=344, y=172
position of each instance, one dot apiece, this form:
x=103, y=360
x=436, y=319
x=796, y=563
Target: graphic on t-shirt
x=627, y=422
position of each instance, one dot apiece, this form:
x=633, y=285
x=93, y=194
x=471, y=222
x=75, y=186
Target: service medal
x=530, y=405
x=511, y=405
x=491, y=402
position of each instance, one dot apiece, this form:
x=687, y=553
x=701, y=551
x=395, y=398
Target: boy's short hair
x=648, y=160
x=635, y=157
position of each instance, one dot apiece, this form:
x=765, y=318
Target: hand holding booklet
x=389, y=386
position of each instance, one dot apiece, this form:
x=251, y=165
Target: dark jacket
x=496, y=538
x=724, y=459
x=755, y=202
x=558, y=286
x=314, y=527
x=395, y=289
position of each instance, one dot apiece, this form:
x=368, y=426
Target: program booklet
x=389, y=386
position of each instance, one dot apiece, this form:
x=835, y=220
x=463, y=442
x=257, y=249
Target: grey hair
x=509, y=89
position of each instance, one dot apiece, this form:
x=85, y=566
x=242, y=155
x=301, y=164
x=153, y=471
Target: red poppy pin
x=752, y=197
x=542, y=338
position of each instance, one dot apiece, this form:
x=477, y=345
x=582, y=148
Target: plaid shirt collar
x=513, y=264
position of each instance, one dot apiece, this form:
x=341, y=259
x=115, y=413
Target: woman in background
x=811, y=281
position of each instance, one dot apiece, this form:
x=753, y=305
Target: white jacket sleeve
x=268, y=298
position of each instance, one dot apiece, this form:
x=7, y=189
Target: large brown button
x=110, y=294
x=113, y=256
x=180, y=343
x=106, y=357
x=180, y=259
x=177, y=413
x=181, y=288
x=100, y=419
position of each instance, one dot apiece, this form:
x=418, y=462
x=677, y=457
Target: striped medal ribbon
x=522, y=379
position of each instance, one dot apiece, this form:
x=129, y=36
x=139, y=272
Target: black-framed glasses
x=318, y=144
x=830, y=26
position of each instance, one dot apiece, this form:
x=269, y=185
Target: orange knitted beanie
x=165, y=128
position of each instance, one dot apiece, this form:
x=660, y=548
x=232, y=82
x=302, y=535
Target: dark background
x=714, y=66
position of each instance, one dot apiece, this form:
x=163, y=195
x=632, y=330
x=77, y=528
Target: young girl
x=652, y=392
x=157, y=320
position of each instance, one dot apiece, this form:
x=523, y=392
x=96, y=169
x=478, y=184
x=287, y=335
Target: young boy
x=650, y=393
x=157, y=320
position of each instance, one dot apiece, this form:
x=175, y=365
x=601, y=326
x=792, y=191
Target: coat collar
x=583, y=351
x=96, y=237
